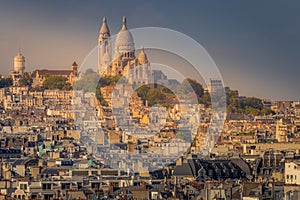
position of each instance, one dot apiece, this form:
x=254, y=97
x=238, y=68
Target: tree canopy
x=88, y=81
x=56, y=82
x=247, y=105
x=6, y=82
x=161, y=95
x=26, y=81
x=157, y=95
x=109, y=80
x=192, y=87
x=100, y=98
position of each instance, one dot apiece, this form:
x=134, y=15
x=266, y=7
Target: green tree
x=251, y=111
x=142, y=91
x=109, y=80
x=26, y=81
x=88, y=81
x=267, y=111
x=100, y=98
x=254, y=102
x=191, y=88
x=197, y=87
x=56, y=82
x=157, y=95
x=6, y=82
x=247, y=105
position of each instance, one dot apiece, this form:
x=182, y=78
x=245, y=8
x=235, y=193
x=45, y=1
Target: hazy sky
x=255, y=44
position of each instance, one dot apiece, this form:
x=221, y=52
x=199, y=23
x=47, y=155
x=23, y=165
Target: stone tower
x=104, y=47
x=19, y=63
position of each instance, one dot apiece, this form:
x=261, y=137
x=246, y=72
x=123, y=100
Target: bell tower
x=104, y=46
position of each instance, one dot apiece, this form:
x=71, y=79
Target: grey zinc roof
x=187, y=169
x=214, y=169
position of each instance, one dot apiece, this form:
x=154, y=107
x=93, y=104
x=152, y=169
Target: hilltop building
x=70, y=75
x=19, y=63
x=19, y=68
x=215, y=85
x=292, y=173
x=123, y=60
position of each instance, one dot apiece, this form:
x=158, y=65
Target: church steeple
x=103, y=44
x=104, y=28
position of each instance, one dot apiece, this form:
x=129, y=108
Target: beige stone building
x=292, y=173
x=19, y=68
x=70, y=75
x=123, y=60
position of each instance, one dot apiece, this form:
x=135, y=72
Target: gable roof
x=54, y=72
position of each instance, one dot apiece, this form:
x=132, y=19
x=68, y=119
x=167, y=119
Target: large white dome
x=124, y=40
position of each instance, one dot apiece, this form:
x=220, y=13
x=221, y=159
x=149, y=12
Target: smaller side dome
x=142, y=57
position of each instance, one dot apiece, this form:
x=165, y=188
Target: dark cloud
x=256, y=44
